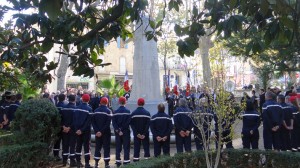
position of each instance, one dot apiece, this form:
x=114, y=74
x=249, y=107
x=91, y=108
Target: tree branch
x=100, y=25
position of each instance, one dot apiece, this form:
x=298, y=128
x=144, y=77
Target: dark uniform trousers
x=137, y=146
x=285, y=139
x=250, y=141
x=103, y=141
x=271, y=139
x=83, y=139
x=198, y=138
x=56, y=147
x=164, y=145
x=183, y=142
x=68, y=145
x=295, y=140
x=226, y=139
x=123, y=141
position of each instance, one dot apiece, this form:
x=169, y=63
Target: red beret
x=141, y=102
x=293, y=98
x=122, y=100
x=85, y=98
x=298, y=96
x=104, y=100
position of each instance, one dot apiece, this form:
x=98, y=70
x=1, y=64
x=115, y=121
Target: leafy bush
x=229, y=158
x=38, y=120
x=25, y=156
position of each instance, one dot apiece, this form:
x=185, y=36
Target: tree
x=111, y=86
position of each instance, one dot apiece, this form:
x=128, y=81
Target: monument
x=146, y=83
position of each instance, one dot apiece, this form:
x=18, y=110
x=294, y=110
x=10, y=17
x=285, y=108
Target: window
x=122, y=65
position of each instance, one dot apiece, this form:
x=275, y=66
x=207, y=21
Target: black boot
x=73, y=163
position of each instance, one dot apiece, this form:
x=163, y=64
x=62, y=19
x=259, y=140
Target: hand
x=66, y=129
x=1, y=126
x=139, y=136
x=164, y=138
x=275, y=128
x=182, y=133
x=98, y=134
x=290, y=128
x=5, y=122
x=251, y=132
x=120, y=133
x=78, y=132
x=158, y=138
x=187, y=133
x=142, y=137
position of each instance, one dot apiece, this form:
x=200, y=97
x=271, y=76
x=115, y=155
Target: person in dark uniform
x=5, y=104
x=10, y=111
x=251, y=122
x=56, y=147
x=68, y=134
x=121, y=121
x=295, y=137
x=272, y=120
x=287, y=124
x=183, y=126
x=226, y=123
x=262, y=99
x=161, y=128
x=171, y=103
x=140, y=123
x=202, y=117
x=82, y=128
x=101, y=124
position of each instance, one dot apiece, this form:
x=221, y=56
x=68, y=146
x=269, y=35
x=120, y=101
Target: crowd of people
x=79, y=112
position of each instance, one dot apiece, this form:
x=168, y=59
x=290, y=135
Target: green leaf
x=46, y=47
x=159, y=23
x=51, y=7
x=51, y=66
x=94, y=56
x=232, y=3
x=195, y=10
x=152, y=24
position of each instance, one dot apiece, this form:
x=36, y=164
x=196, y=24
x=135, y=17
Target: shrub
x=25, y=156
x=38, y=120
x=229, y=158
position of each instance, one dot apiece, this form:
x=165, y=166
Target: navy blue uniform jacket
x=101, y=119
x=82, y=118
x=10, y=112
x=182, y=120
x=287, y=113
x=140, y=121
x=161, y=125
x=121, y=119
x=272, y=114
x=67, y=115
x=251, y=121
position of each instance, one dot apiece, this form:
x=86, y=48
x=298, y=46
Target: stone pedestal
x=146, y=81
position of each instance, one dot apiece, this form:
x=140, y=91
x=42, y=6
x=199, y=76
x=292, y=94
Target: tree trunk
x=61, y=72
x=204, y=45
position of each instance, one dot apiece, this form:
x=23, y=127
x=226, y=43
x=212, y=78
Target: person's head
x=46, y=95
x=280, y=98
x=85, y=98
x=245, y=94
x=72, y=98
x=161, y=108
x=114, y=95
x=253, y=92
x=182, y=102
x=203, y=101
x=292, y=87
x=104, y=101
x=270, y=95
x=122, y=101
x=13, y=98
x=140, y=102
x=262, y=91
x=19, y=97
x=61, y=97
x=249, y=105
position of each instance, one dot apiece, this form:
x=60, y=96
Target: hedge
x=229, y=158
x=24, y=156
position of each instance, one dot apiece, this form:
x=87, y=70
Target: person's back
x=161, y=128
x=121, y=121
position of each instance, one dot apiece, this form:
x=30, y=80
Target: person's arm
x=94, y=123
x=106, y=125
x=87, y=123
x=153, y=128
x=132, y=124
